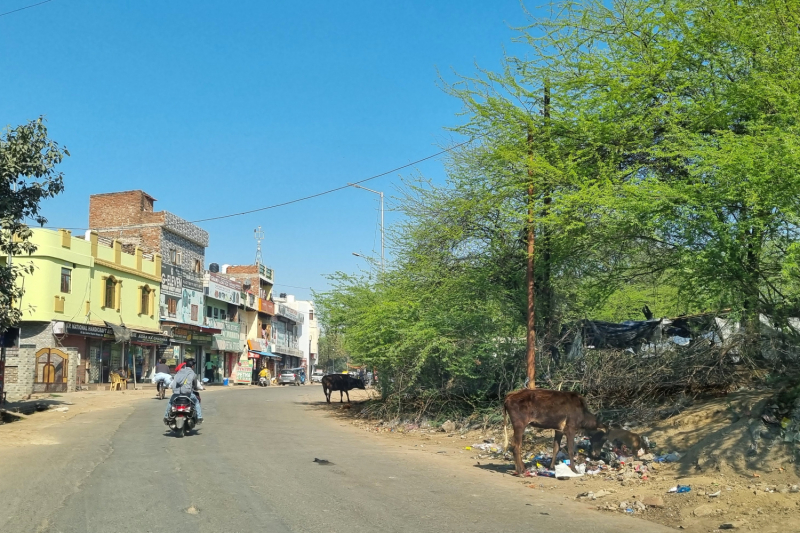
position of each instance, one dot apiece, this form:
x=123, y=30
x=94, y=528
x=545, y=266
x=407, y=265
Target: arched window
x=144, y=299
x=111, y=285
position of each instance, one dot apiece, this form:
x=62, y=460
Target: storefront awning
x=253, y=354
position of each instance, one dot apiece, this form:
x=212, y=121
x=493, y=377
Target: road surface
x=251, y=468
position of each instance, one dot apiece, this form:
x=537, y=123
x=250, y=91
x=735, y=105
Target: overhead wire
x=24, y=8
x=290, y=202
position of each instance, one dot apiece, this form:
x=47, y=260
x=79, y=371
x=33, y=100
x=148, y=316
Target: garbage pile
x=614, y=463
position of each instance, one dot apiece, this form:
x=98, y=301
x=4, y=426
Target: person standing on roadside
x=210, y=371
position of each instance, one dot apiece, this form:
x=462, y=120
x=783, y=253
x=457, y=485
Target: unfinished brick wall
x=119, y=209
x=111, y=213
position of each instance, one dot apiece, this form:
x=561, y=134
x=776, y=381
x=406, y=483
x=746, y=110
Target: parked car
x=316, y=376
x=289, y=377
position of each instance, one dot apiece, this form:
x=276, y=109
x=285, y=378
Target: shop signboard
x=228, y=340
x=243, y=373
x=266, y=306
x=181, y=297
x=291, y=314
x=149, y=338
x=223, y=289
x=88, y=330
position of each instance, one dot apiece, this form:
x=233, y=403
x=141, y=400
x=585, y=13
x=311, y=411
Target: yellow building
x=77, y=285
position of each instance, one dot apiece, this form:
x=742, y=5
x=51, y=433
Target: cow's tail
x=505, y=427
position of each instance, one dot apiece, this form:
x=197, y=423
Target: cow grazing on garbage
x=618, y=437
x=342, y=383
x=564, y=412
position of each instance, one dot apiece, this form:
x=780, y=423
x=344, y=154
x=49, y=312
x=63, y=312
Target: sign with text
x=222, y=288
x=243, y=373
x=291, y=314
x=88, y=330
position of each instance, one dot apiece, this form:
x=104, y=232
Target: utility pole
x=383, y=258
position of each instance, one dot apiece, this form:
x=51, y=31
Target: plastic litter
x=488, y=447
x=715, y=494
x=680, y=489
x=564, y=472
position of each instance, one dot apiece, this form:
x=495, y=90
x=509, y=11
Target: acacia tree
x=28, y=160
x=669, y=156
x=676, y=123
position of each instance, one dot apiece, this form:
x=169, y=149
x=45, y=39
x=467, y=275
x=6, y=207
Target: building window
x=179, y=259
x=216, y=313
x=311, y=315
x=198, y=266
x=172, y=307
x=194, y=312
x=208, y=311
x=173, y=256
x=110, y=290
x=66, y=280
x=145, y=301
x=222, y=314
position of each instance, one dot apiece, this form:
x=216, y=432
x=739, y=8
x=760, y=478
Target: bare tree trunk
x=546, y=303
x=531, y=340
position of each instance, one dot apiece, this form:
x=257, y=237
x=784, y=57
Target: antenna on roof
x=259, y=236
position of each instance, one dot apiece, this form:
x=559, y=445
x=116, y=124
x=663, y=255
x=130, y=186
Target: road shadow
x=29, y=407
x=495, y=467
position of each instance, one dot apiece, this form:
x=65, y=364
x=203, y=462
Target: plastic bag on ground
x=564, y=472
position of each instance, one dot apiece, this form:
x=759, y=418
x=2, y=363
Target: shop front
x=187, y=342
x=225, y=351
x=100, y=354
x=262, y=356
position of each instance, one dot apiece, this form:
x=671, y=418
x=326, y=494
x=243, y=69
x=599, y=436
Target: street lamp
x=383, y=259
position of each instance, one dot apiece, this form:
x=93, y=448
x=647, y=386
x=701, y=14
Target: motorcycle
x=182, y=414
x=161, y=389
x=263, y=381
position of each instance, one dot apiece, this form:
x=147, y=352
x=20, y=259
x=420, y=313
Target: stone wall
x=21, y=364
x=190, y=252
x=38, y=334
x=22, y=367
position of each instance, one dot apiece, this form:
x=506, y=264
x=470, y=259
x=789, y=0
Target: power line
x=289, y=202
x=24, y=8
x=292, y=286
x=329, y=191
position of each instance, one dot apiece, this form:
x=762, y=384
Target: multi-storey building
x=256, y=312
x=223, y=296
x=309, y=334
x=287, y=329
x=129, y=218
x=78, y=286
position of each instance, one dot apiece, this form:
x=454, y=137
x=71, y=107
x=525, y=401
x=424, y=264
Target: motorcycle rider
x=185, y=383
x=162, y=373
x=264, y=375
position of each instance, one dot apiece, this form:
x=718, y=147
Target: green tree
x=28, y=160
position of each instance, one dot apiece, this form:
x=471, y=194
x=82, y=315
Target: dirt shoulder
x=54, y=409
x=741, y=474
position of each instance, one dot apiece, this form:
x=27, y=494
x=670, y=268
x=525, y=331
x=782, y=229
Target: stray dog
x=619, y=438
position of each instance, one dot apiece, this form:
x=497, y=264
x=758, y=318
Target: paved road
x=250, y=468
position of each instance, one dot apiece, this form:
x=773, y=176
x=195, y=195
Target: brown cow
x=564, y=412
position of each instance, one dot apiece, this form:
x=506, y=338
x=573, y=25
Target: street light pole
x=383, y=241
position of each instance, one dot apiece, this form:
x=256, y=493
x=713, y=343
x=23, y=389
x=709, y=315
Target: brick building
x=256, y=312
x=130, y=218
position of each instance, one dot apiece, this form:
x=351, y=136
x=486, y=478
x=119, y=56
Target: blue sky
x=219, y=107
